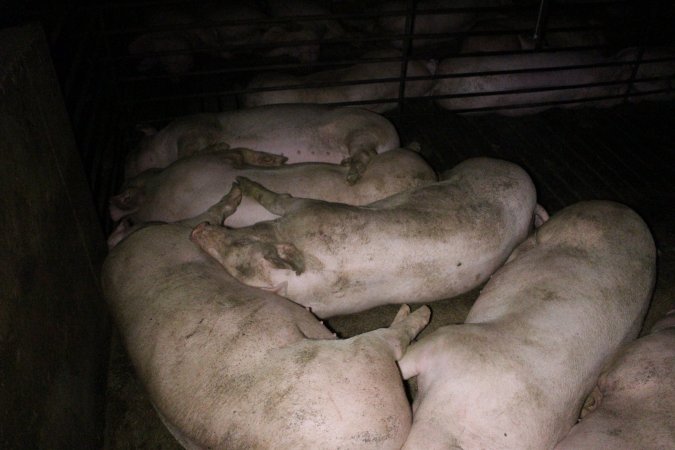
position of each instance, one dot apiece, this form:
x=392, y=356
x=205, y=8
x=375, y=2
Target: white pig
x=556, y=35
x=176, y=43
x=195, y=29
x=228, y=366
x=190, y=185
x=348, y=92
x=634, y=402
x=546, y=80
x=516, y=373
x=437, y=23
x=421, y=245
x=300, y=29
x=299, y=133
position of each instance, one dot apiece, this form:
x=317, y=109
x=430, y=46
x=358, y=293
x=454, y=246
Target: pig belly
x=189, y=186
x=308, y=133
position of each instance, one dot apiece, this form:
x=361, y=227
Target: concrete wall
x=54, y=331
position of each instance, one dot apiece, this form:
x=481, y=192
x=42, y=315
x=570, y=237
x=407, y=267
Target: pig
x=556, y=36
x=190, y=30
x=298, y=133
x=634, y=402
x=230, y=366
x=515, y=374
x=547, y=81
x=188, y=186
x=175, y=46
x=302, y=29
x=213, y=35
x=421, y=245
x=205, y=29
x=451, y=22
x=343, y=93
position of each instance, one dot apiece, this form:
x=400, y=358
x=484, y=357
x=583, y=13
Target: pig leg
x=404, y=328
x=275, y=203
x=358, y=163
x=221, y=210
x=540, y=216
x=246, y=156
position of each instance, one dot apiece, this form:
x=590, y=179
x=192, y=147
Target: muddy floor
x=625, y=154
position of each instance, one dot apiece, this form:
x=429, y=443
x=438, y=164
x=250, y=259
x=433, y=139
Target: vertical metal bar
x=540, y=26
x=647, y=34
x=407, y=45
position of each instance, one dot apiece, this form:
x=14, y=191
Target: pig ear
x=126, y=200
x=285, y=256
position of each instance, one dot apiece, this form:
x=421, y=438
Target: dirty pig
x=190, y=185
x=421, y=245
x=516, y=373
x=633, y=404
x=296, y=133
x=229, y=366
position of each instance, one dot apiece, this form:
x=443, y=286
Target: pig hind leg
x=362, y=149
x=275, y=203
x=245, y=156
x=220, y=211
x=405, y=327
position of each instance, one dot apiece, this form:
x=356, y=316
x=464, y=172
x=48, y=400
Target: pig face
x=251, y=259
x=132, y=196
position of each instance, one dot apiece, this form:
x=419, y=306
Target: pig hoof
x=402, y=313
x=198, y=231
x=540, y=216
x=352, y=178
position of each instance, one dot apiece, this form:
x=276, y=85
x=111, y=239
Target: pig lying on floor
x=343, y=93
x=515, y=375
x=421, y=245
x=190, y=185
x=230, y=366
x=297, y=133
x=635, y=398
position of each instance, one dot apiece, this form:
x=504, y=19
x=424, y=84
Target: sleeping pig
x=298, y=133
x=634, y=401
x=188, y=186
x=230, y=366
x=420, y=245
x=348, y=88
x=515, y=375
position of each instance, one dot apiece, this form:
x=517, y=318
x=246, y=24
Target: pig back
x=198, y=340
x=567, y=299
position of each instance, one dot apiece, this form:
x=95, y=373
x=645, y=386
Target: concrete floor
x=624, y=154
